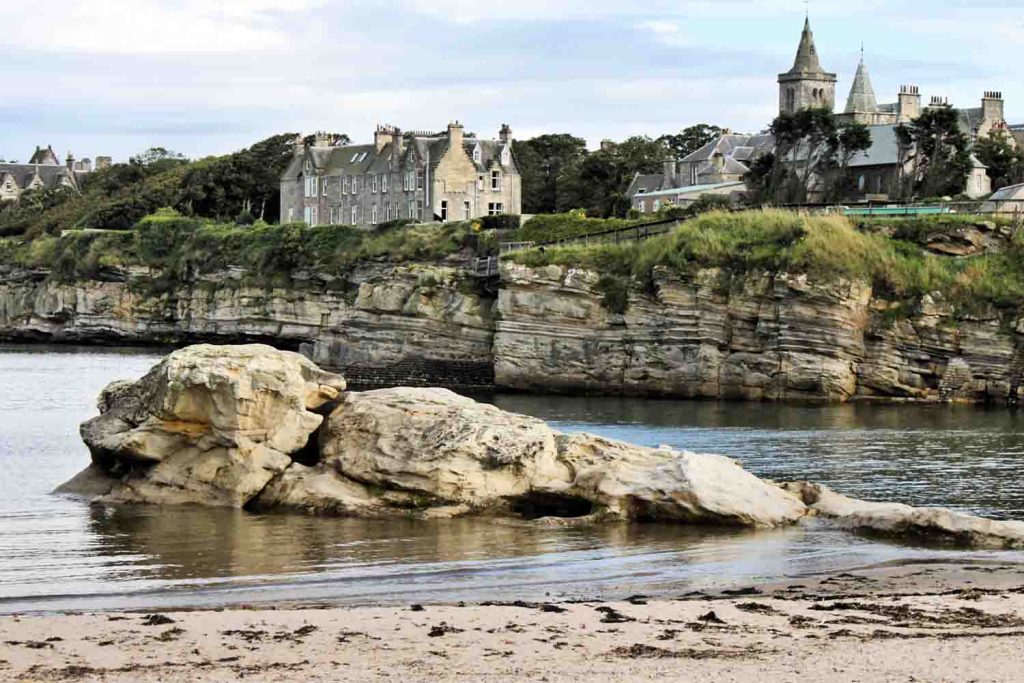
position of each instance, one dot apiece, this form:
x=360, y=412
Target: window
x=355, y=184
x=387, y=212
x=362, y=157
x=444, y=210
x=642, y=190
x=495, y=180
x=412, y=210
x=344, y=185
x=307, y=215
x=419, y=180
x=308, y=166
x=384, y=183
x=374, y=184
x=478, y=155
x=642, y=206
x=332, y=215
x=861, y=184
x=314, y=185
x=480, y=183
x=354, y=157
x=373, y=214
x=657, y=204
x=323, y=190
x=506, y=156
x=466, y=212
x=355, y=215
x=312, y=216
x=291, y=215
x=495, y=209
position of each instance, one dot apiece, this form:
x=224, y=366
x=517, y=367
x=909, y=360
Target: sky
x=115, y=77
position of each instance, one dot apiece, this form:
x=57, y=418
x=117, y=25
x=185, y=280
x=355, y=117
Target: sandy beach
x=925, y=622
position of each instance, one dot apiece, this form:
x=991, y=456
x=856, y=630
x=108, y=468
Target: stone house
x=652, y=202
x=43, y=171
x=417, y=175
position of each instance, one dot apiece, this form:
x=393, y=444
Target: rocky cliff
x=754, y=336
x=759, y=336
x=382, y=324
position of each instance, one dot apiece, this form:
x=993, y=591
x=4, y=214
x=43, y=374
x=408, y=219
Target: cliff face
x=411, y=324
x=758, y=337
x=761, y=337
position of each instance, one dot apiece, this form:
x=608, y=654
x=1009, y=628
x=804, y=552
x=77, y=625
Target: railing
x=633, y=233
x=484, y=267
x=979, y=207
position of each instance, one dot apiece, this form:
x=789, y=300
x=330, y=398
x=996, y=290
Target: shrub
x=501, y=222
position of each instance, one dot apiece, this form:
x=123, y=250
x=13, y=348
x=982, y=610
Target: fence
x=633, y=233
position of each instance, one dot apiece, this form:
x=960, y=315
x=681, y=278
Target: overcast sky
x=113, y=77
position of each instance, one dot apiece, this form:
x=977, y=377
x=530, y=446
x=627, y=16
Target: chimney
x=670, y=173
x=938, y=101
x=383, y=136
x=992, y=109
x=456, y=134
x=505, y=134
x=397, y=146
x=70, y=161
x=298, y=147
x=85, y=165
x=103, y=162
x=909, y=103
x=321, y=139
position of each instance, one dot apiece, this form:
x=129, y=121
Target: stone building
x=43, y=171
x=417, y=175
x=806, y=85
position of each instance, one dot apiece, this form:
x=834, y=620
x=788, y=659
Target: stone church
x=807, y=85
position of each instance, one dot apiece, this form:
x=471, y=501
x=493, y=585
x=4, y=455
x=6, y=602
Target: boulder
x=909, y=523
x=209, y=425
x=430, y=452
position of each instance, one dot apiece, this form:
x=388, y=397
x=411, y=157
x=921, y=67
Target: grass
x=826, y=248
x=549, y=227
x=180, y=248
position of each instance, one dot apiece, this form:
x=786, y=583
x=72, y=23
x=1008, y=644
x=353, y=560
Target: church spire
x=806, y=61
x=862, y=93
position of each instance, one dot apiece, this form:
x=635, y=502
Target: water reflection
x=57, y=553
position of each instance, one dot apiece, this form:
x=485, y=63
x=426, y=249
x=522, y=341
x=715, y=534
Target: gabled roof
x=51, y=176
x=44, y=157
x=648, y=183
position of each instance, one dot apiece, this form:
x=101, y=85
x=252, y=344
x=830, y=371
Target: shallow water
x=62, y=554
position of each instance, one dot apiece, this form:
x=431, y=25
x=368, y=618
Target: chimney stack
x=70, y=161
x=909, y=103
x=456, y=134
x=321, y=139
x=505, y=134
x=383, y=136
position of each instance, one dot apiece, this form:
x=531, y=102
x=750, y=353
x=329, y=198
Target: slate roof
x=51, y=175
x=648, y=183
x=695, y=189
x=807, y=62
x=862, y=93
x=44, y=157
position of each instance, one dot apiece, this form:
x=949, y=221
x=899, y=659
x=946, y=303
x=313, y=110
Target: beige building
x=43, y=171
x=420, y=176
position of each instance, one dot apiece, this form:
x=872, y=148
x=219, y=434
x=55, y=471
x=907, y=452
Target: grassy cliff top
x=887, y=254
x=180, y=247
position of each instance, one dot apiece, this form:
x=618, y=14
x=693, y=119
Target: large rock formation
x=209, y=425
x=230, y=426
x=904, y=521
x=429, y=452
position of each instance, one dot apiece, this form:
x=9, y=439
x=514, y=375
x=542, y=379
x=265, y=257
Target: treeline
x=243, y=187
x=561, y=175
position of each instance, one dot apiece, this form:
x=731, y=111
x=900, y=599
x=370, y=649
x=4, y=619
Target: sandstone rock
x=904, y=521
x=208, y=424
x=429, y=452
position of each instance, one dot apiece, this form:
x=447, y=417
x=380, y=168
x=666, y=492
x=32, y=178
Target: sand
x=926, y=622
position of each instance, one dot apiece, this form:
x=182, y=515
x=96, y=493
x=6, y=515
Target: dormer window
x=478, y=155
x=506, y=156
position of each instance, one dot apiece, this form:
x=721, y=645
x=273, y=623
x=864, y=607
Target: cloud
x=149, y=26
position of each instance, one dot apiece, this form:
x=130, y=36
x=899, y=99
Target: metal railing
x=632, y=233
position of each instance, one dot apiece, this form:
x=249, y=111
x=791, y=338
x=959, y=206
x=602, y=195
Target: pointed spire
x=862, y=93
x=807, y=54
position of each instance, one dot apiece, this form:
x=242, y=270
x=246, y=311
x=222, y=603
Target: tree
x=939, y=154
x=158, y=159
x=690, y=139
x=599, y=182
x=813, y=150
x=541, y=161
x=1005, y=161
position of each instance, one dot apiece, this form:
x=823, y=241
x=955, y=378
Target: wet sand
x=923, y=622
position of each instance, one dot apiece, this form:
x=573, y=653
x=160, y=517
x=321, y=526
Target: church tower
x=806, y=85
x=862, y=104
